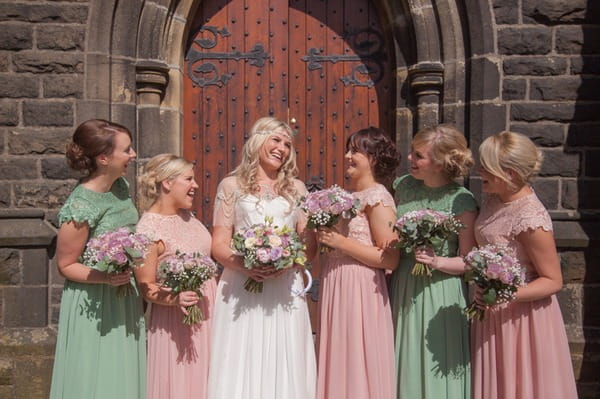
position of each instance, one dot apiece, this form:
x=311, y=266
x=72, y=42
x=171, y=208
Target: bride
x=262, y=344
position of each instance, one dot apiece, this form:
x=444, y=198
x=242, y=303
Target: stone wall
x=532, y=66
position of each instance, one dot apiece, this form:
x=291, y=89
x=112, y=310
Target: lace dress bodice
x=501, y=223
x=238, y=210
x=181, y=232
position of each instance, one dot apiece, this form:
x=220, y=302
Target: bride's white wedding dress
x=262, y=345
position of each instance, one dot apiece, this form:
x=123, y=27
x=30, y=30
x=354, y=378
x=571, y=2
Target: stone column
x=427, y=82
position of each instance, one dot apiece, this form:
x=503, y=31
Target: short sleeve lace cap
x=375, y=195
x=80, y=208
x=530, y=215
x=227, y=193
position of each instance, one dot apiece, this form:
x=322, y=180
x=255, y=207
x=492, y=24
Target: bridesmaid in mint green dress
x=101, y=343
x=431, y=330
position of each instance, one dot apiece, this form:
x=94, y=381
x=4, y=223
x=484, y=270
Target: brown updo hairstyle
x=92, y=138
x=448, y=148
x=160, y=168
x=379, y=148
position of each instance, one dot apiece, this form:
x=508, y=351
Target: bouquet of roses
x=187, y=272
x=268, y=247
x=495, y=269
x=116, y=252
x=425, y=227
x=325, y=207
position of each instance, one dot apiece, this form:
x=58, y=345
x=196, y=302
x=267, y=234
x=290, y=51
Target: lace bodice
x=501, y=223
x=411, y=195
x=358, y=227
x=238, y=210
x=102, y=211
x=181, y=232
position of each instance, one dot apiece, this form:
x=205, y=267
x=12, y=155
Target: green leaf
x=489, y=296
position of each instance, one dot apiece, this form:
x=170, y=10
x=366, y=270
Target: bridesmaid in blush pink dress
x=355, y=335
x=520, y=349
x=178, y=354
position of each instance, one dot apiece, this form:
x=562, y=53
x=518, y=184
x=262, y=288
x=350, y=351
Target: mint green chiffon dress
x=431, y=330
x=101, y=343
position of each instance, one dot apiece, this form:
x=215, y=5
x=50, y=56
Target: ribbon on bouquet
x=304, y=290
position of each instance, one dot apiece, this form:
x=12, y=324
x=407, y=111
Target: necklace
x=267, y=191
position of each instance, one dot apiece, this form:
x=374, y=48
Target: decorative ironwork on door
x=257, y=57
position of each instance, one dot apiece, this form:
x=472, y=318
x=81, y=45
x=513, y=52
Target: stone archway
x=134, y=66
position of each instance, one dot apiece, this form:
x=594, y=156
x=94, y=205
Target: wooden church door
x=323, y=66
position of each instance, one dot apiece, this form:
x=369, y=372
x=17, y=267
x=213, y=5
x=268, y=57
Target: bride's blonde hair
x=247, y=170
x=158, y=169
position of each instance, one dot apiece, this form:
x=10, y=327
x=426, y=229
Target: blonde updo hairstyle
x=448, y=148
x=91, y=139
x=160, y=168
x=509, y=151
x=247, y=170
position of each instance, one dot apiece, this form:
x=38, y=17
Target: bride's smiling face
x=275, y=150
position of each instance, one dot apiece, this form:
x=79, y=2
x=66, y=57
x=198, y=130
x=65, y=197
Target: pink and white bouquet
x=425, y=227
x=117, y=251
x=495, y=269
x=326, y=207
x=266, y=246
x=187, y=271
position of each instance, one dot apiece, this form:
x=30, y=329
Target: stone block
x=577, y=40
x=19, y=86
x=514, y=89
x=529, y=40
x=592, y=166
x=559, y=112
x=9, y=113
x=35, y=266
x=25, y=306
x=5, y=61
x=485, y=120
x=15, y=37
x=16, y=168
x=487, y=88
x=10, y=266
x=57, y=168
x=35, y=342
x=542, y=134
x=506, y=12
x=47, y=113
x=48, y=62
x=581, y=194
x=41, y=195
x=46, y=12
x=5, y=195
x=558, y=163
x=572, y=265
x=554, y=12
x=587, y=135
x=565, y=88
x=547, y=191
x=63, y=86
x=539, y=66
x=38, y=141
x=6, y=373
x=33, y=377
x=60, y=37
x=570, y=300
x=585, y=64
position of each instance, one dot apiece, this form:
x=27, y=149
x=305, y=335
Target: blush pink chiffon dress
x=356, y=334
x=520, y=350
x=178, y=354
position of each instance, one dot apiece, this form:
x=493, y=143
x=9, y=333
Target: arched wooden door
x=325, y=67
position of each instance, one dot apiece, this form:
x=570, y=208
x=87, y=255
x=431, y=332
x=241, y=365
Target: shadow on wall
x=581, y=194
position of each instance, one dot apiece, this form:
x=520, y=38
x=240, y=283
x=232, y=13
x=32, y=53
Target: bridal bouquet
x=425, y=227
x=267, y=246
x=326, y=207
x=187, y=272
x=495, y=269
x=117, y=251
